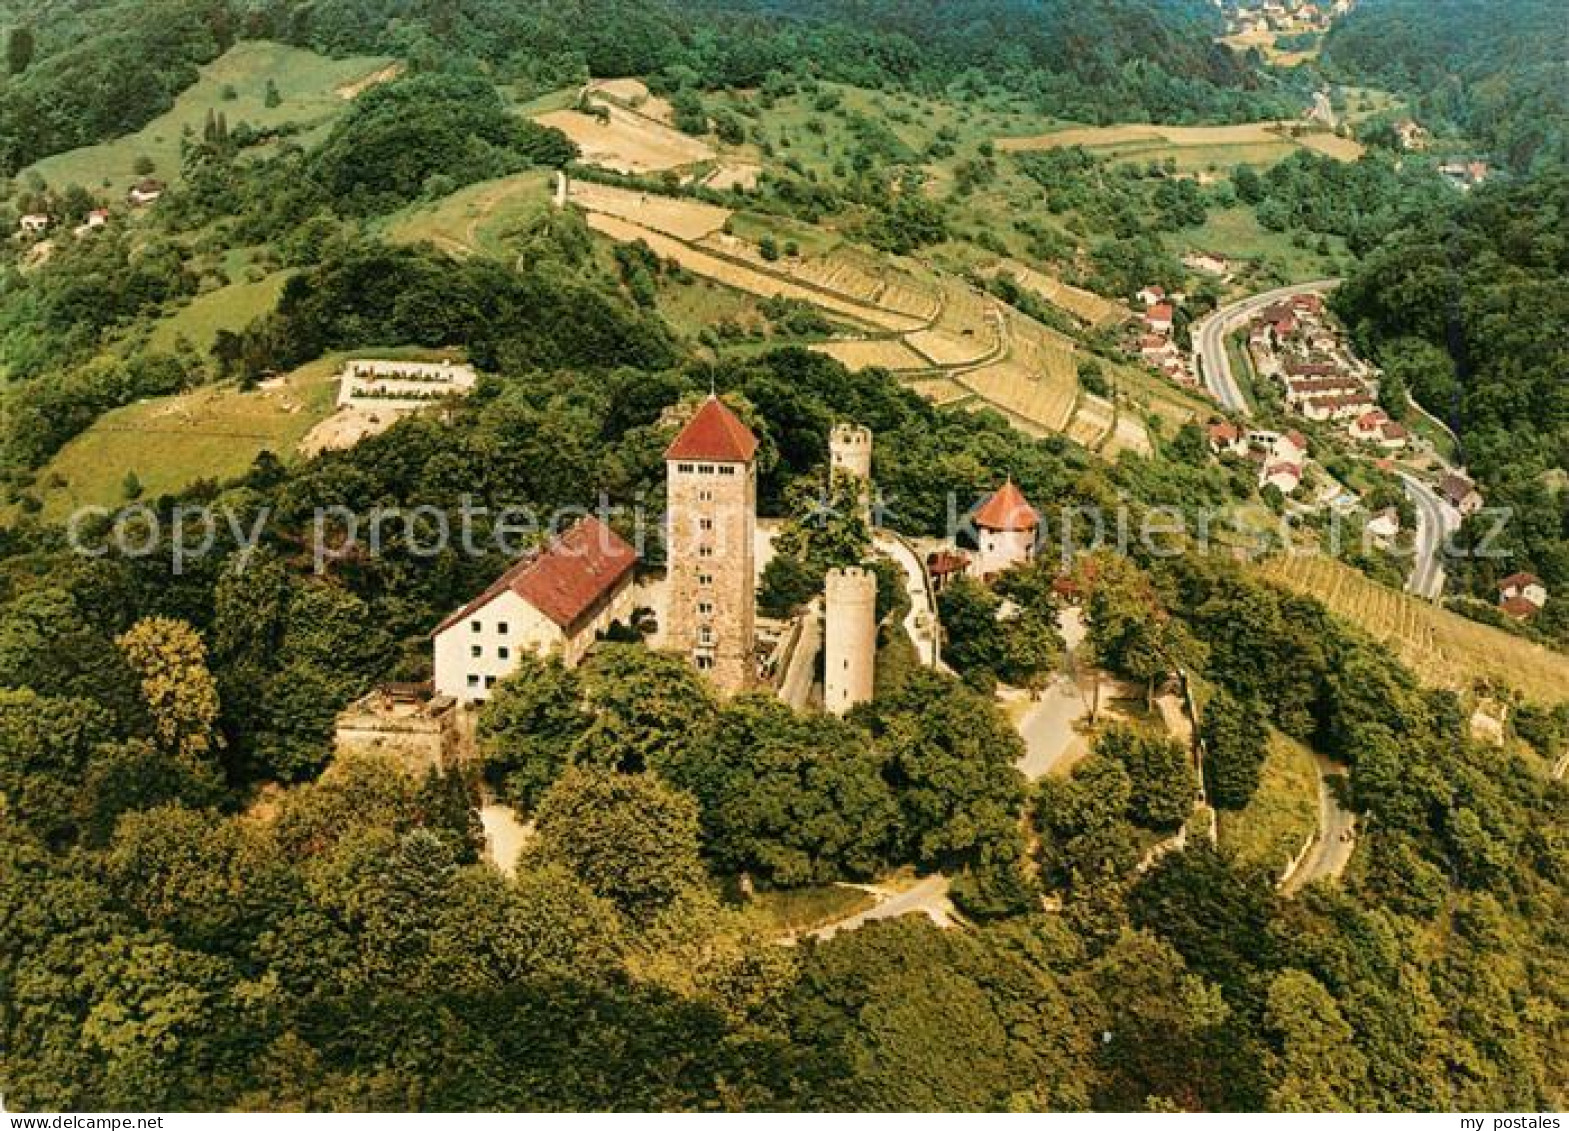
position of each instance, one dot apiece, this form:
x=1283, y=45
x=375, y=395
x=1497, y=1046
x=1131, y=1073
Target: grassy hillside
x=227, y=308
x=313, y=89
x=1282, y=813
x=170, y=442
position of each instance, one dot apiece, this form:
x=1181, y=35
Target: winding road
x=1436, y=520
x=1209, y=340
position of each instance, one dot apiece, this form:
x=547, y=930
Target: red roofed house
x=1280, y=318
x=1005, y=526
x=1460, y=493
x=1522, y=587
x=1225, y=436
x=1158, y=318
x=555, y=601
x=1285, y=476
x=1151, y=295
x=1370, y=425
x=711, y=491
x=1393, y=434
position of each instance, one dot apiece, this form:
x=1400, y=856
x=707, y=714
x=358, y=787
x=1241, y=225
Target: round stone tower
x=850, y=638
x=850, y=449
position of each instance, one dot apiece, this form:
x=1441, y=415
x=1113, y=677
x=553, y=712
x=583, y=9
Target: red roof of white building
x=564, y=580
x=1007, y=509
x=714, y=433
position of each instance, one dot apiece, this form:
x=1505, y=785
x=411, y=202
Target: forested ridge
x=96, y=71
x=1496, y=70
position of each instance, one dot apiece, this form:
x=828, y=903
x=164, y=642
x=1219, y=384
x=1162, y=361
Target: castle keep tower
x=711, y=487
x=850, y=451
x=850, y=638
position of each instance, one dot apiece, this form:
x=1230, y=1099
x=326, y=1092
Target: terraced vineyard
x=1444, y=649
x=1086, y=306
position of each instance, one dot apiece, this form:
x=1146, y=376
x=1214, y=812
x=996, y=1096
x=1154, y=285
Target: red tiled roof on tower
x=1007, y=509
x=714, y=433
x=564, y=580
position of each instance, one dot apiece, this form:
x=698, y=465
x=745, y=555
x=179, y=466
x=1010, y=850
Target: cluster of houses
x=1156, y=342
x=1285, y=17
x=33, y=225
x=1280, y=456
x=1294, y=343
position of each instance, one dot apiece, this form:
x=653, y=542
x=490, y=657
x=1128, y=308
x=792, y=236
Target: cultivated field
x=1093, y=421
x=1036, y=405
x=738, y=275
x=632, y=94
x=628, y=142
x=943, y=347
x=1444, y=649
x=888, y=353
x=314, y=91
x=1259, y=142
x=684, y=219
x=1087, y=306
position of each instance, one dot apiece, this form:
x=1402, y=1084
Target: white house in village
x=555, y=601
x=1384, y=526
x=34, y=224
x=1284, y=476
x=144, y=192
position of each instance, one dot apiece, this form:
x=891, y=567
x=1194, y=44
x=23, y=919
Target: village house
x=1460, y=493
x=1005, y=526
x=1280, y=319
x=1225, y=438
x=34, y=224
x=1384, y=526
x=1302, y=389
x=556, y=601
x=1522, y=595
x=1151, y=296
x=1159, y=318
x=1392, y=435
x=144, y=192
x=1284, y=476
x=1339, y=407
x=95, y=219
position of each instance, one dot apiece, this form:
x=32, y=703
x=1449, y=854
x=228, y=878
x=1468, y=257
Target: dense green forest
x=1496, y=71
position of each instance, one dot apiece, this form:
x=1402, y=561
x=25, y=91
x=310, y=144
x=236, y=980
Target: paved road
x=1337, y=834
x=928, y=896
x=1436, y=520
x=1209, y=340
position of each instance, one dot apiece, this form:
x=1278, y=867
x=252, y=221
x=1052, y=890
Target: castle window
x=705, y=496
x=727, y=469
x=705, y=551
x=705, y=469
x=705, y=579
x=501, y=627
x=475, y=625
x=473, y=681
x=503, y=653
x=705, y=636
x=705, y=524
x=490, y=681
x=684, y=467
x=476, y=651
x=704, y=663
x=705, y=608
